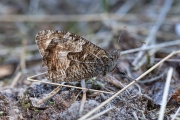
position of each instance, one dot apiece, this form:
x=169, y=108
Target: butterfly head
x=114, y=57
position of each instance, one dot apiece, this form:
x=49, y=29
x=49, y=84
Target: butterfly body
x=70, y=57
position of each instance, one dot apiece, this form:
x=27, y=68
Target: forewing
x=44, y=38
x=69, y=57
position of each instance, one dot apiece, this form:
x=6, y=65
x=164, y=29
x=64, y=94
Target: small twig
x=23, y=55
x=152, y=79
x=18, y=68
x=165, y=44
x=30, y=79
x=142, y=111
x=176, y=113
x=83, y=101
x=50, y=95
x=152, y=34
x=145, y=58
x=112, y=97
x=15, y=80
x=165, y=94
x=113, y=81
x=135, y=115
x=101, y=113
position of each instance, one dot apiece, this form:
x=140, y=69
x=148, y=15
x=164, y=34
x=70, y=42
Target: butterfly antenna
x=120, y=36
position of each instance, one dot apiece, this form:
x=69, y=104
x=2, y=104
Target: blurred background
x=110, y=24
x=99, y=21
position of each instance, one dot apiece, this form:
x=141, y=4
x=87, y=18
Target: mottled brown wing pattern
x=70, y=57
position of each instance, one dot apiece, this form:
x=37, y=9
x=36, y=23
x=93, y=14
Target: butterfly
x=69, y=57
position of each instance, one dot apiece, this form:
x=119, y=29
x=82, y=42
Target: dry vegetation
x=151, y=26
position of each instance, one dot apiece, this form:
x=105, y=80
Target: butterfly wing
x=70, y=57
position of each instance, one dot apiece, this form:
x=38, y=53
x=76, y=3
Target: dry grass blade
x=112, y=97
x=101, y=113
x=30, y=79
x=83, y=101
x=59, y=18
x=122, y=11
x=15, y=80
x=50, y=95
x=165, y=94
x=23, y=55
x=113, y=81
x=151, y=36
x=174, y=116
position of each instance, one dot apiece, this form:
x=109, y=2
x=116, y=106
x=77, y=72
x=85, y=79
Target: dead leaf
x=158, y=90
x=176, y=96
